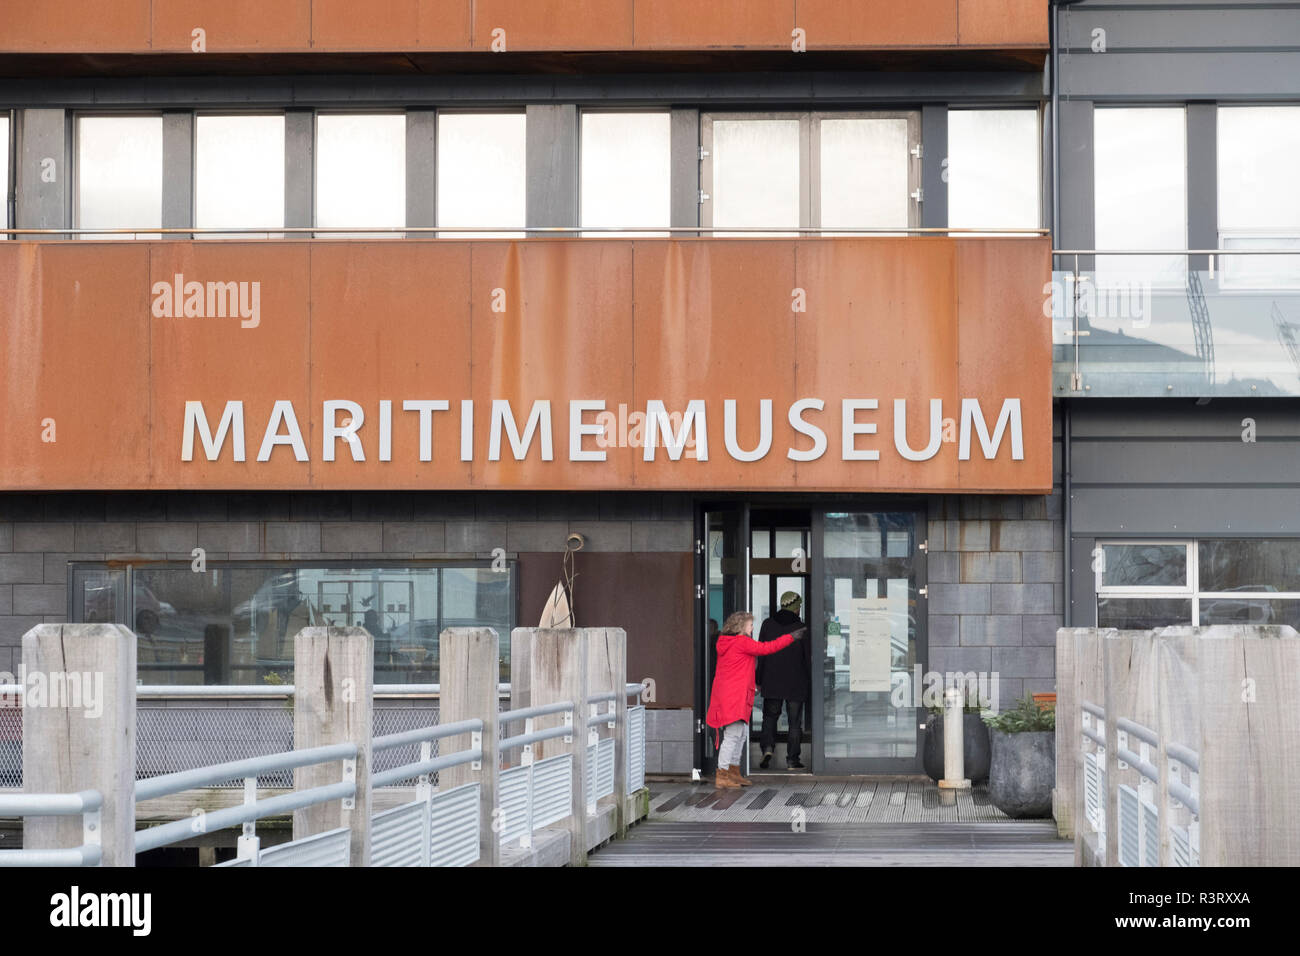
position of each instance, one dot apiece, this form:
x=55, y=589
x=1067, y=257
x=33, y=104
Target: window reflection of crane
x=1286, y=334
x=1202, y=331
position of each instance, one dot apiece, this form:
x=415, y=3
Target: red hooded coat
x=733, y=683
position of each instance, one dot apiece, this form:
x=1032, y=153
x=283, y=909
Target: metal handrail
x=310, y=232
x=421, y=767
x=422, y=734
x=1138, y=731
x=1093, y=709
x=1293, y=251
x=170, y=783
x=535, y=737
x=50, y=804
x=538, y=710
x=258, y=690
x=1184, y=755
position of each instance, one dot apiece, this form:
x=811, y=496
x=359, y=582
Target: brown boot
x=726, y=779
x=740, y=779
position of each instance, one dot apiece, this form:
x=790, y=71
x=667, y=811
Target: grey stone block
x=383, y=506
x=960, y=598
x=351, y=536
x=6, y=536
x=937, y=535
x=943, y=567
x=22, y=568
x=320, y=506
x=6, y=599
x=442, y=505
x=960, y=659
x=83, y=506
x=136, y=506
x=56, y=565
x=677, y=757
x=676, y=725
x=1040, y=566
x=1039, y=685
x=523, y=536
x=1026, y=536
x=168, y=536
x=977, y=567
x=1025, y=661
x=232, y=537
x=659, y=536
x=654, y=757
x=628, y=506
x=13, y=627
x=969, y=535
x=404, y=536
x=987, y=630
x=1009, y=690
x=604, y=535
x=40, y=599
x=1022, y=598
x=1039, y=630
x=43, y=536
x=196, y=506
x=1044, y=506
x=474, y=536
x=504, y=506
x=103, y=536
x=258, y=506
x=282, y=536
x=944, y=630
x=569, y=507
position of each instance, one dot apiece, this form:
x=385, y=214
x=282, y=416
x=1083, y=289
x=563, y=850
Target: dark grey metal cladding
x=1195, y=49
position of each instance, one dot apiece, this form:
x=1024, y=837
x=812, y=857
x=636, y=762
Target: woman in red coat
x=731, y=704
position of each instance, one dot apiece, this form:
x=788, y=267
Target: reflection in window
x=239, y=172
x=4, y=167
x=236, y=625
x=360, y=170
x=993, y=159
x=626, y=166
x=119, y=173
x=1249, y=564
x=755, y=172
x=1144, y=565
x=1140, y=163
x=1142, y=614
x=1259, y=193
x=864, y=172
x=481, y=170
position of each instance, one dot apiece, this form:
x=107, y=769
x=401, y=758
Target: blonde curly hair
x=735, y=623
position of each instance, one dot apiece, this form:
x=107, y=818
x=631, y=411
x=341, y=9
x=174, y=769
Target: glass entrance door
x=866, y=595
x=722, y=590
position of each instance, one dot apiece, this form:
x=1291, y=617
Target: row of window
x=772, y=169
x=1146, y=584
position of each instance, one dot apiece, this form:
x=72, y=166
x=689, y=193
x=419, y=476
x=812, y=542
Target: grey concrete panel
x=178, y=170
x=299, y=167
x=1271, y=76
x=552, y=161
x=684, y=176
x=1158, y=511
x=44, y=180
x=934, y=181
x=421, y=167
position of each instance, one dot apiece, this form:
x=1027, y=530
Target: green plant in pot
x=1023, y=768
x=975, y=743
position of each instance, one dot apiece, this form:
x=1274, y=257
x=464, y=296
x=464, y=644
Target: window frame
x=809, y=160
x=457, y=232
x=315, y=170
x=622, y=111
x=268, y=232
x=75, y=152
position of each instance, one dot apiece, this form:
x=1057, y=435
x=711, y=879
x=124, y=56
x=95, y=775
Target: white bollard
x=954, y=763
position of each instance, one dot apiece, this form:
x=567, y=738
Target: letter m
x=972, y=416
x=657, y=420
x=232, y=423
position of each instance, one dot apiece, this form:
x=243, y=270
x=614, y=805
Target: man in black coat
x=784, y=677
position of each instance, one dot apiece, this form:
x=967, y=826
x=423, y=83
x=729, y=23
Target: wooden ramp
x=666, y=843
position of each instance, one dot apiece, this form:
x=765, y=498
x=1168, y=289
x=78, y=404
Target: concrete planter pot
x=975, y=748
x=1023, y=772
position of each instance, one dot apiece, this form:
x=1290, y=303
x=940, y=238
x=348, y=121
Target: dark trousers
x=794, y=717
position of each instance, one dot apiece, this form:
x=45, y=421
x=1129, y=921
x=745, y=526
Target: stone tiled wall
x=996, y=592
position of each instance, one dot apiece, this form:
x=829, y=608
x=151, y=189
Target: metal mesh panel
x=635, y=748
x=454, y=826
x=394, y=720
x=396, y=835
x=11, y=747
x=552, y=789
x=183, y=738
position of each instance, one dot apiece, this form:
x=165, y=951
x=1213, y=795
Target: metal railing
x=508, y=232
x=86, y=804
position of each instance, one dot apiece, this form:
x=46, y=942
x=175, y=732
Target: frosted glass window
x=239, y=172
x=864, y=166
x=993, y=160
x=1259, y=194
x=360, y=170
x=1140, y=158
x=626, y=169
x=481, y=170
x=4, y=169
x=755, y=172
x=119, y=173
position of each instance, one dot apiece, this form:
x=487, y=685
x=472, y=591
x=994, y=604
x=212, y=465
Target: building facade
x=898, y=308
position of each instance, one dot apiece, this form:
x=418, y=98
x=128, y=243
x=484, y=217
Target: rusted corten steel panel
x=396, y=26
x=554, y=24
x=404, y=364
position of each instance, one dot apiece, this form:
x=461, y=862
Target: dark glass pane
x=1250, y=564
x=1236, y=611
x=1143, y=613
x=1144, y=565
